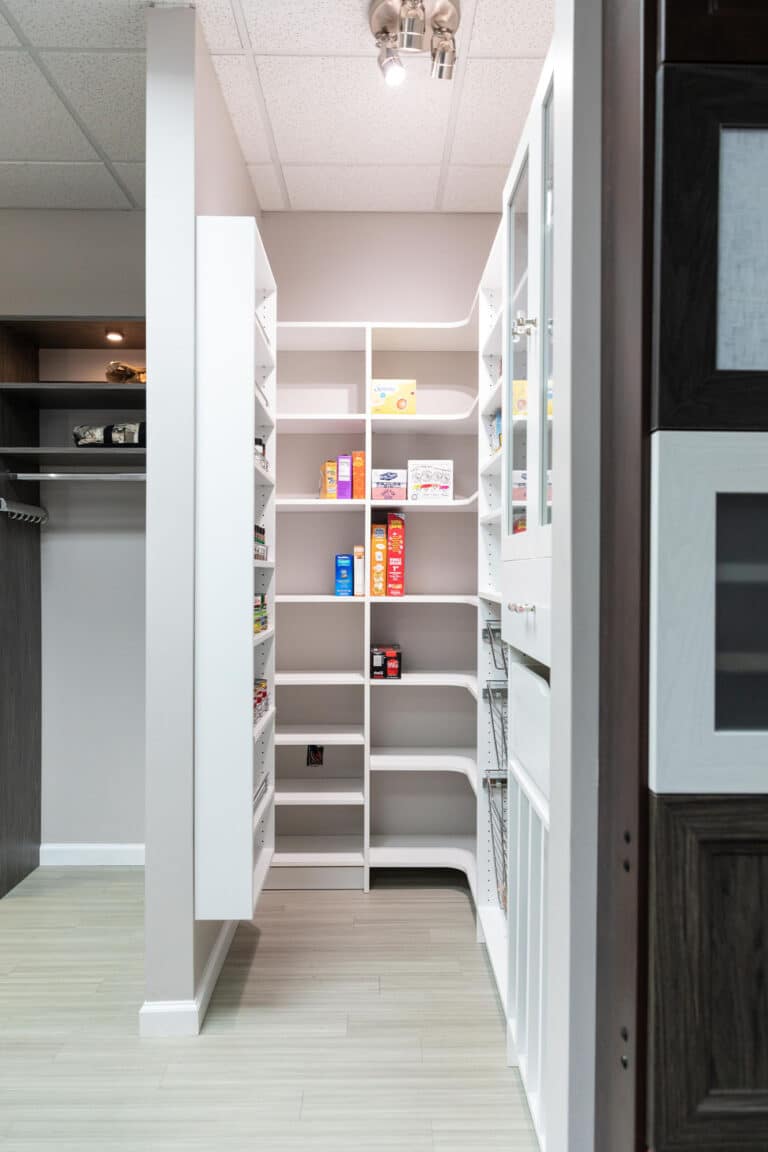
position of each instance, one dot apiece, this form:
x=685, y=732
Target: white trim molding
x=172, y=1018
x=91, y=855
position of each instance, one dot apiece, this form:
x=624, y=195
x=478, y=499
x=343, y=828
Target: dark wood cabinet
x=714, y=31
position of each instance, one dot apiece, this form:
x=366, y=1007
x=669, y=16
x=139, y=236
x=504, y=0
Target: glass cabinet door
x=517, y=351
x=547, y=293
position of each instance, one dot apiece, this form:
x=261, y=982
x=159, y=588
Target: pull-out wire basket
x=496, y=785
x=492, y=636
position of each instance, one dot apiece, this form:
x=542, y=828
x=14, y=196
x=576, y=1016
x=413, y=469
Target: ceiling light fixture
x=114, y=335
x=402, y=24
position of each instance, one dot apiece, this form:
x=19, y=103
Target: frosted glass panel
x=742, y=270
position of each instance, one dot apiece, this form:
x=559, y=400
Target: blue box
x=345, y=584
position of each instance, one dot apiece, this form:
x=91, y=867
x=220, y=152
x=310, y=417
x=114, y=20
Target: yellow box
x=393, y=397
x=519, y=397
x=378, y=560
x=328, y=476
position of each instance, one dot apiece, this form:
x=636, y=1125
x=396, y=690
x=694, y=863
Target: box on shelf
x=430, y=480
x=378, y=560
x=260, y=698
x=389, y=484
x=495, y=430
x=344, y=478
x=260, y=550
x=395, y=554
x=328, y=474
x=260, y=613
x=344, y=585
x=519, y=397
x=358, y=475
x=386, y=662
x=519, y=485
x=359, y=580
x=393, y=397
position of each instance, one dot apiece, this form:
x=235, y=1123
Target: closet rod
x=111, y=476
x=28, y=513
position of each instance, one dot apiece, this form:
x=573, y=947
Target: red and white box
x=395, y=554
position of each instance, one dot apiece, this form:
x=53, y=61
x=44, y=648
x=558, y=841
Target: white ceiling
x=319, y=129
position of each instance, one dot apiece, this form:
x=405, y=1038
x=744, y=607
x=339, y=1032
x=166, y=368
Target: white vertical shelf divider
x=235, y=391
x=367, y=622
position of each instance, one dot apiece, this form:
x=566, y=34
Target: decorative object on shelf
x=129, y=435
x=395, y=554
x=344, y=585
x=378, y=560
x=119, y=373
x=359, y=580
x=430, y=480
x=401, y=26
x=328, y=480
x=389, y=483
x=386, y=662
x=393, y=397
x=26, y=513
x=315, y=754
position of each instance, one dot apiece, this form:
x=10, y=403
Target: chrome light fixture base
x=402, y=24
x=413, y=26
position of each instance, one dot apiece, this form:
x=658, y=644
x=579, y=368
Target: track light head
x=413, y=26
x=389, y=60
x=443, y=54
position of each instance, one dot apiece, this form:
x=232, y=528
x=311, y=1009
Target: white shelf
x=262, y=724
x=318, y=852
x=494, y=924
x=471, y=600
x=460, y=760
x=432, y=680
x=318, y=678
x=455, y=424
x=262, y=637
x=492, y=517
x=315, y=504
x=492, y=467
x=264, y=418
x=489, y=594
x=320, y=423
x=266, y=564
x=336, y=735
x=341, y=792
x=265, y=357
x=263, y=478
x=400, y=851
x=493, y=401
x=492, y=344
x=462, y=504
x=310, y=598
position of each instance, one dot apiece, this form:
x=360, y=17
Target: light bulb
x=391, y=66
x=114, y=335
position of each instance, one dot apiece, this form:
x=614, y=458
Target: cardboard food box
x=358, y=475
x=328, y=480
x=519, y=397
x=359, y=588
x=386, y=662
x=519, y=485
x=344, y=578
x=395, y=554
x=393, y=397
x=344, y=478
x=389, y=484
x=378, y=560
x=430, y=480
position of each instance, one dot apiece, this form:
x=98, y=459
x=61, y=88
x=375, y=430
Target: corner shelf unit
x=395, y=785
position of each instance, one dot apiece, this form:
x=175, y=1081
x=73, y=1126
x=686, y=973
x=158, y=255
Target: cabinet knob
x=522, y=326
x=521, y=608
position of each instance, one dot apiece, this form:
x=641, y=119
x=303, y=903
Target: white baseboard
x=90, y=855
x=185, y=1017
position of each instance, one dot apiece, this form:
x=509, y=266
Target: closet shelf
x=262, y=724
x=493, y=401
x=77, y=456
x=85, y=394
x=455, y=424
x=318, y=679
x=494, y=925
x=38, y=477
x=460, y=760
x=339, y=792
x=331, y=735
x=492, y=343
x=492, y=517
x=462, y=504
x=492, y=467
x=262, y=637
x=432, y=680
x=470, y=600
x=315, y=504
x=318, y=852
x=410, y=851
x=266, y=564
x=489, y=594
x=311, y=598
x=320, y=423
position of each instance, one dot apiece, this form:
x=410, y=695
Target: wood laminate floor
x=341, y=1022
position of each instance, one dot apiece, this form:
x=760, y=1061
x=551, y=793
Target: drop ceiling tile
x=219, y=25
x=24, y=185
x=338, y=110
x=494, y=106
x=34, y=124
x=370, y=188
x=269, y=192
x=134, y=177
x=295, y=26
x=8, y=37
x=106, y=91
x=238, y=85
x=474, y=188
x=81, y=24
x=512, y=28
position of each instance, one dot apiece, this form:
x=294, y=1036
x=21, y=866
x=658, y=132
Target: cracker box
x=430, y=480
x=395, y=554
x=378, y=560
x=328, y=480
x=389, y=484
x=344, y=478
x=359, y=588
x=393, y=397
x=358, y=475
